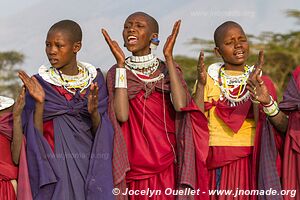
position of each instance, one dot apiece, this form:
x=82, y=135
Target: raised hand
x=93, y=107
x=93, y=99
x=115, y=49
x=33, y=86
x=169, y=45
x=201, y=71
x=259, y=64
x=19, y=104
x=258, y=90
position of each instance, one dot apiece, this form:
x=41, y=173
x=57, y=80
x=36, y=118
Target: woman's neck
x=234, y=67
x=141, y=53
x=70, y=70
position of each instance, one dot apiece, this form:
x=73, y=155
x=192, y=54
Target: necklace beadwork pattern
x=81, y=81
x=228, y=84
x=146, y=65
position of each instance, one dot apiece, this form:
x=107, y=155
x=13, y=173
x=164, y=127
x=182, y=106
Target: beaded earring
x=154, y=43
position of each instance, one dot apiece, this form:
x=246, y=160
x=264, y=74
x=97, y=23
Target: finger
x=254, y=97
x=96, y=92
x=250, y=89
x=92, y=88
x=255, y=74
x=168, y=39
x=175, y=31
x=24, y=74
x=106, y=37
x=116, y=45
x=176, y=28
x=259, y=80
x=167, y=43
x=22, y=93
x=201, y=62
x=35, y=81
x=260, y=61
x=96, y=86
x=90, y=100
x=90, y=95
x=251, y=83
x=25, y=79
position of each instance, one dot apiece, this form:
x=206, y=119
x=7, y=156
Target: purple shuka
x=81, y=167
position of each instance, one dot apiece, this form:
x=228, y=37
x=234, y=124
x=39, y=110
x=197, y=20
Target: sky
x=24, y=24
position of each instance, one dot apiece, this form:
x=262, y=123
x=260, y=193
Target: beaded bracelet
x=121, y=79
x=272, y=108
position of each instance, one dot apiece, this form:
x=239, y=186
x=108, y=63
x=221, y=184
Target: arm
x=121, y=102
x=177, y=90
x=38, y=116
x=93, y=107
x=280, y=121
x=201, y=82
x=17, y=127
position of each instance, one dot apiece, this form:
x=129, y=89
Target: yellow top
x=220, y=133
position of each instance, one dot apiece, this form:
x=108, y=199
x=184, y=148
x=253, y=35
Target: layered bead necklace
x=81, y=81
x=145, y=65
x=233, y=88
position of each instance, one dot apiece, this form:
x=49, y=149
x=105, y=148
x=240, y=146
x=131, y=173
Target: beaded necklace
x=146, y=65
x=228, y=84
x=148, y=80
x=81, y=81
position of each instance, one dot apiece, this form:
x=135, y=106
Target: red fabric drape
x=149, y=149
x=291, y=162
x=8, y=171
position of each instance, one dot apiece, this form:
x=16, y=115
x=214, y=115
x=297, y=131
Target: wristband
x=121, y=79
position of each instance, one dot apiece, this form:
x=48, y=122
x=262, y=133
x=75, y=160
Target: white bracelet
x=269, y=104
x=272, y=109
x=121, y=79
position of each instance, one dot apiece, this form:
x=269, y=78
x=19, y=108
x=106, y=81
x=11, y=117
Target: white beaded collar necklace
x=141, y=59
x=70, y=83
x=224, y=80
x=147, y=64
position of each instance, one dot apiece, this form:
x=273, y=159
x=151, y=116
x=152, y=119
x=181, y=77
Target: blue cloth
x=81, y=167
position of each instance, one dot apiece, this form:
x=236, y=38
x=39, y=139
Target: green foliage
x=281, y=52
x=9, y=84
x=294, y=13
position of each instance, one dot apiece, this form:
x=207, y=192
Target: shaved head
x=219, y=32
x=151, y=21
x=71, y=28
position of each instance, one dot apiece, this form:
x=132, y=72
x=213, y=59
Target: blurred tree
x=281, y=54
x=9, y=84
